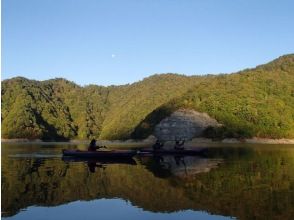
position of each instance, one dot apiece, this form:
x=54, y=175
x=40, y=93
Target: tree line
x=253, y=102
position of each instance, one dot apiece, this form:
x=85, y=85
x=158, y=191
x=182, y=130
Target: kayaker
x=179, y=145
x=92, y=145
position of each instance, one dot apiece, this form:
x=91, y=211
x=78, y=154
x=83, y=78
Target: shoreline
x=151, y=140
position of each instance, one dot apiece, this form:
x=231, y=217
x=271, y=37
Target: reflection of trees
x=260, y=186
x=135, y=183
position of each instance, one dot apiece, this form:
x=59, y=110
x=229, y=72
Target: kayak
x=100, y=154
x=198, y=151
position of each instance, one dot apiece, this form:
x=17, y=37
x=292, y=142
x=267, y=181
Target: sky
x=114, y=42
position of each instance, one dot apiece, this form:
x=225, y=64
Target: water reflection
x=94, y=163
x=242, y=182
x=108, y=209
x=179, y=165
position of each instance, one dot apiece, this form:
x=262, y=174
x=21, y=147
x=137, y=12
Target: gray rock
x=183, y=124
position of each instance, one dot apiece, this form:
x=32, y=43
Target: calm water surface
x=229, y=182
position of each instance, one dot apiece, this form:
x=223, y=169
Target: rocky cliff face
x=183, y=124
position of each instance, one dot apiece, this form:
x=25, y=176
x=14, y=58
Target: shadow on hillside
x=50, y=131
x=146, y=127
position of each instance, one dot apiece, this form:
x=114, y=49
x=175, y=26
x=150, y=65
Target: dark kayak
x=196, y=151
x=100, y=154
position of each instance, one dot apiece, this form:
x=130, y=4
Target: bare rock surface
x=184, y=124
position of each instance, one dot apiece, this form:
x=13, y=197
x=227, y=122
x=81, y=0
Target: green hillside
x=254, y=102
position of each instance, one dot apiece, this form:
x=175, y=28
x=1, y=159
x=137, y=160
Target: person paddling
x=93, y=147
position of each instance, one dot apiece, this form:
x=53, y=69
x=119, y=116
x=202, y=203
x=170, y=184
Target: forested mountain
x=254, y=102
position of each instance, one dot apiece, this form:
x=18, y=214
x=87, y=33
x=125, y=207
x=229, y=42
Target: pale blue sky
x=121, y=41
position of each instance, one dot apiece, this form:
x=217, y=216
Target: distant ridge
x=253, y=102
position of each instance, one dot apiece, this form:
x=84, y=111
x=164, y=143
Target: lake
x=229, y=182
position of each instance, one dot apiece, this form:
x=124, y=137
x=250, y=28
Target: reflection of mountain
x=259, y=187
x=180, y=166
x=56, y=182
x=192, y=165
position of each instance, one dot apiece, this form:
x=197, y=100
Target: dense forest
x=253, y=102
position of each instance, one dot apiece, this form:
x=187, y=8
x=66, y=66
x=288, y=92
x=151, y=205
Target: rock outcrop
x=183, y=124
